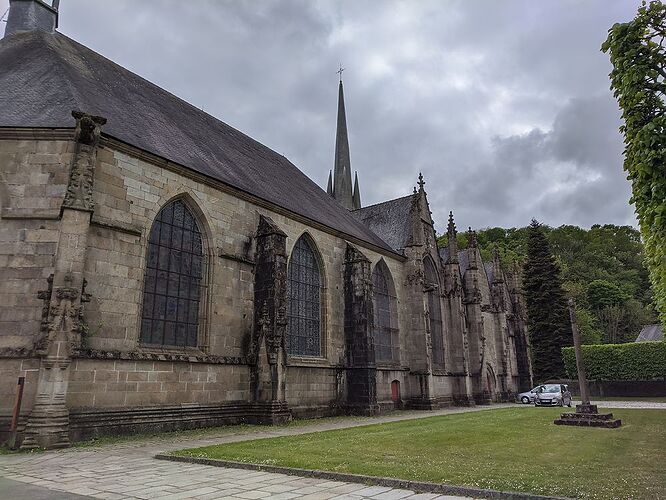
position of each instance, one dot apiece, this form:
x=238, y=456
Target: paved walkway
x=639, y=405
x=128, y=469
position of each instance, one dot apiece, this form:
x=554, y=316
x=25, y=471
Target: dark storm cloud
x=504, y=106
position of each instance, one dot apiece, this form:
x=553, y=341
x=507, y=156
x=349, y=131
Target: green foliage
x=638, y=81
x=589, y=333
x=612, y=255
x=547, y=314
x=602, y=293
x=632, y=361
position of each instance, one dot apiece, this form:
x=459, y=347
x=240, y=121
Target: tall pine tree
x=548, y=319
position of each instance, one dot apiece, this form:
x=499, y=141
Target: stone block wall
x=98, y=383
x=35, y=175
x=33, y=179
x=384, y=380
x=129, y=192
x=311, y=386
x=10, y=370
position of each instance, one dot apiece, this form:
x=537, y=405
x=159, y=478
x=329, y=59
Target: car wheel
x=525, y=400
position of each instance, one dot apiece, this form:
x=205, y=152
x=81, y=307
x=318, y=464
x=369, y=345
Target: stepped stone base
x=587, y=416
x=363, y=409
x=483, y=398
x=87, y=424
x=463, y=400
x=47, y=428
x=429, y=403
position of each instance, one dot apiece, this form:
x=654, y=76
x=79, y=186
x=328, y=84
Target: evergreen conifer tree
x=548, y=320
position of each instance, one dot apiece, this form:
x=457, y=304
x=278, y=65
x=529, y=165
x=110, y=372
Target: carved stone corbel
x=79, y=194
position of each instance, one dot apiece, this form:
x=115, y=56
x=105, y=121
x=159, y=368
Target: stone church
x=162, y=270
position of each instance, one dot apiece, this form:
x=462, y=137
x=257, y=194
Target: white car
x=553, y=395
x=527, y=397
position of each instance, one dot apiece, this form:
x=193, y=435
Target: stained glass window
x=304, y=295
x=435, y=309
x=173, y=278
x=384, y=330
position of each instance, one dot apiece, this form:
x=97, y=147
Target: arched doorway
x=395, y=394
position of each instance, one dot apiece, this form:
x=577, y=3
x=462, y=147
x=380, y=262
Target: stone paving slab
x=638, y=405
x=128, y=470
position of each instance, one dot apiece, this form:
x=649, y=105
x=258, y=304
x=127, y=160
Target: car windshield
x=551, y=389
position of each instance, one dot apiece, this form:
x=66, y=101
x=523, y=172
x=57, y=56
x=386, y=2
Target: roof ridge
x=383, y=202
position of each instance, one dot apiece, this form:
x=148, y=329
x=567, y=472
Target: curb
x=418, y=486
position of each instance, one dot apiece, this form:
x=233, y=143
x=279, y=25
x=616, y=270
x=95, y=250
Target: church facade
x=161, y=269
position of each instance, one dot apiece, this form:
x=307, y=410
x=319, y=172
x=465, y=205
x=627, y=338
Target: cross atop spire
x=421, y=182
x=339, y=71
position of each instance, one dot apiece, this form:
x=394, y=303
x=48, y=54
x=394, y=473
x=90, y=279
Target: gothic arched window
x=304, y=296
x=383, y=307
x=173, y=278
x=435, y=312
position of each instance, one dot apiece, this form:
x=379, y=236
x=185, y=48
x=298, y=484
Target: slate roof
x=650, y=333
x=463, y=261
x=463, y=258
x=45, y=76
x=390, y=220
x=488, y=266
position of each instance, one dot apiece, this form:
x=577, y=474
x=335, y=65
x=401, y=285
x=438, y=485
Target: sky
x=504, y=107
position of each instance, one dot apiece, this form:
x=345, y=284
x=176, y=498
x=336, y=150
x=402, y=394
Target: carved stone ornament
x=415, y=278
x=87, y=128
x=62, y=312
x=79, y=194
x=41, y=344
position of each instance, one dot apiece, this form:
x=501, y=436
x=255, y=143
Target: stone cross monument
x=586, y=414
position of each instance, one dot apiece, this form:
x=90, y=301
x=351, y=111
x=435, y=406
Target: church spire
x=329, y=187
x=342, y=184
x=357, y=193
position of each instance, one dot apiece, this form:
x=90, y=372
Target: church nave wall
x=129, y=192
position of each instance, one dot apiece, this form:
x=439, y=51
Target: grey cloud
x=504, y=106
x=572, y=172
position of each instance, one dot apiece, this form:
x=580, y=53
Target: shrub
x=633, y=361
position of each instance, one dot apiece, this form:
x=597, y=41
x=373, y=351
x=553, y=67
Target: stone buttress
x=267, y=354
x=64, y=296
x=475, y=323
x=359, y=343
x=458, y=344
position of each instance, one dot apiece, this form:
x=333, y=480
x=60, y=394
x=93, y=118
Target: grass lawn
x=518, y=449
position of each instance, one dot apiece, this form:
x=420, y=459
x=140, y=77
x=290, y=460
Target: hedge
x=632, y=361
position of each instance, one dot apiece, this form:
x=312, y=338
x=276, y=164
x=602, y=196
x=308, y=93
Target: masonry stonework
x=79, y=198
